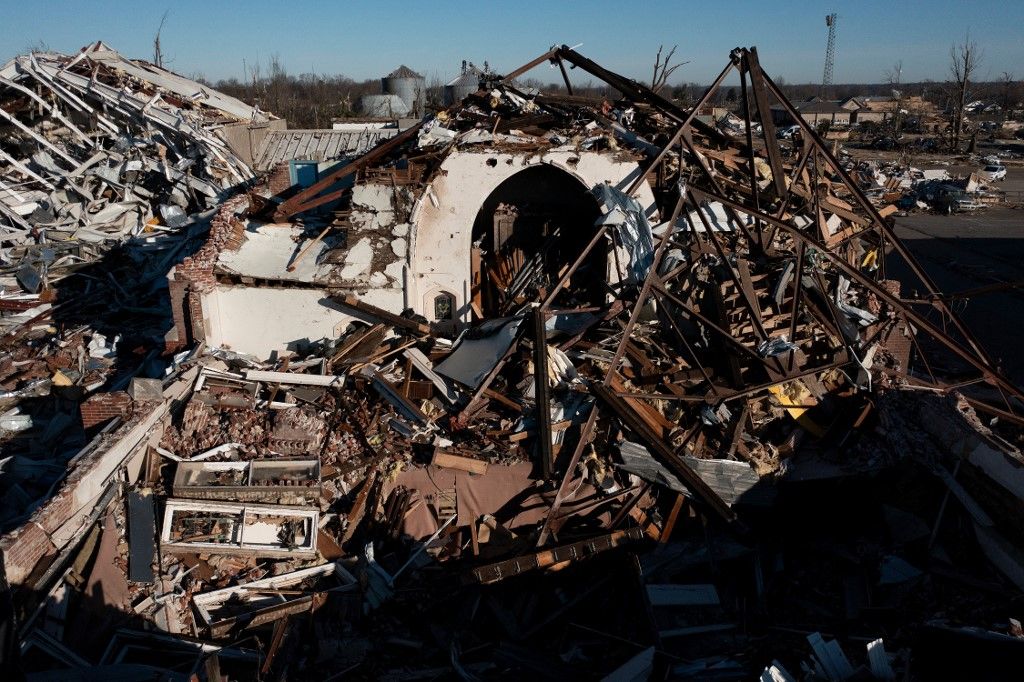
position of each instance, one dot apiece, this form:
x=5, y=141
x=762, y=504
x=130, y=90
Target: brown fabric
x=506, y=492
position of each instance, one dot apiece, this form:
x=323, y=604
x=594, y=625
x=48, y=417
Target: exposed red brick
x=194, y=276
x=24, y=549
x=279, y=179
x=103, y=406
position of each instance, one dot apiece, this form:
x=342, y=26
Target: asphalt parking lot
x=966, y=251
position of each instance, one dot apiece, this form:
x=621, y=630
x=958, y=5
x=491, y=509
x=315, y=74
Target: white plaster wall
x=258, y=321
x=441, y=240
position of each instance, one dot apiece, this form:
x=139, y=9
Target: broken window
x=444, y=306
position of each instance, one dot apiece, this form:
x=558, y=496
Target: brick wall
x=194, y=276
x=103, y=406
x=279, y=179
x=23, y=550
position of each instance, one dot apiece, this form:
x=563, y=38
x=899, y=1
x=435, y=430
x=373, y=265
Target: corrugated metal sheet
x=730, y=479
x=317, y=145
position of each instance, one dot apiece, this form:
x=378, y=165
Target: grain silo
x=463, y=85
x=408, y=85
x=383, y=106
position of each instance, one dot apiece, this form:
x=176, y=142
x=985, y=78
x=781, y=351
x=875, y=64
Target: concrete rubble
x=542, y=386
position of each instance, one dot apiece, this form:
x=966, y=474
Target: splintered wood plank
x=450, y=461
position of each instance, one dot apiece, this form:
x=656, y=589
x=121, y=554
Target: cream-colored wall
x=441, y=239
x=260, y=320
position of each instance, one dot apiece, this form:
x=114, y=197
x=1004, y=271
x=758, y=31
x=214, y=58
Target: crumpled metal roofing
x=317, y=145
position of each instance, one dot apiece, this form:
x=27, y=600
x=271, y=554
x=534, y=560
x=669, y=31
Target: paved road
x=963, y=252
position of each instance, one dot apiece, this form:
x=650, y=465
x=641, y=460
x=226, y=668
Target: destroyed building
x=542, y=386
x=98, y=149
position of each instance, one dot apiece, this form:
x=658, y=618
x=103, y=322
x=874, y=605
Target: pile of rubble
x=97, y=149
x=907, y=188
x=684, y=443
x=110, y=169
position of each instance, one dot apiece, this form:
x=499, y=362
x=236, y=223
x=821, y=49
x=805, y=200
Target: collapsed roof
x=481, y=484
x=98, y=148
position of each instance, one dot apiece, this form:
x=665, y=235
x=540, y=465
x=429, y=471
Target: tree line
x=311, y=100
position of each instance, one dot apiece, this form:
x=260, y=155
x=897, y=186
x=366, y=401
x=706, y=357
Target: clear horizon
x=215, y=40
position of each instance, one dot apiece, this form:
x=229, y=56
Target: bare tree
x=158, y=55
x=38, y=46
x=894, y=78
x=664, y=69
x=964, y=61
x=1006, y=91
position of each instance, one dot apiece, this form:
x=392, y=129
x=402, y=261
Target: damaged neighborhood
x=557, y=367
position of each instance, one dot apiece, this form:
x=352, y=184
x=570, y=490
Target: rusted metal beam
x=638, y=91
x=565, y=75
x=749, y=119
x=771, y=143
x=748, y=304
x=645, y=291
x=477, y=400
x=570, y=469
x=542, y=394
x=310, y=198
x=564, y=279
x=727, y=394
x=805, y=155
x=660, y=448
x=728, y=337
x=880, y=223
x=797, y=291
x=515, y=73
x=993, y=376
x=628, y=505
x=708, y=94
x=755, y=244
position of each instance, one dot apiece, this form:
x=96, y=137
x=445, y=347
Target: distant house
x=851, y=103
x=814, y=111
x=874, y=109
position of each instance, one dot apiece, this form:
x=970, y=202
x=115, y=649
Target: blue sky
x=368, y=39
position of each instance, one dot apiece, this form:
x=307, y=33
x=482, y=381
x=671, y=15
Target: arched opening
x=527, y=233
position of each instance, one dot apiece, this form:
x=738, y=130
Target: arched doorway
x=527, y=233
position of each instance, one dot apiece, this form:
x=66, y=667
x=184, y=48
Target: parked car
x=786, y=132
x=993, y=172
x=949, y=200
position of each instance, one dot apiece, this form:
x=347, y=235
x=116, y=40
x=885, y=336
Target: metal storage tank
x=408, y=85
x=464, y=85
x=383, y=106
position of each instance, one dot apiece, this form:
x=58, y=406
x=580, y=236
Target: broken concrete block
x=357, y=260
x=146, y=390
x=399, y=246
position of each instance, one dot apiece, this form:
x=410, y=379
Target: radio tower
x=830, y=53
